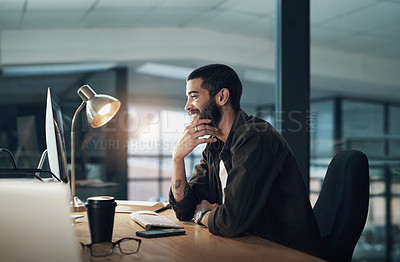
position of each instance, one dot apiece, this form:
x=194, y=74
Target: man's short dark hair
x=216, y=77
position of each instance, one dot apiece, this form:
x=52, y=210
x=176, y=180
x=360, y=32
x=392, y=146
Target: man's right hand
x=191, y=137
x=189, y=140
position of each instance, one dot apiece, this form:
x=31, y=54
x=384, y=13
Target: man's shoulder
x=257, y=128
x=254, y=125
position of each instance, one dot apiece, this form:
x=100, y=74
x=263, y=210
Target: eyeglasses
x=126, y=245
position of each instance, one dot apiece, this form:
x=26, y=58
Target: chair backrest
x=342, y=206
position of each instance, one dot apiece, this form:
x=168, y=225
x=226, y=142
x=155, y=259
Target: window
x=152, y=136
x=394, y=131
x=321, y=129
x=363, y=127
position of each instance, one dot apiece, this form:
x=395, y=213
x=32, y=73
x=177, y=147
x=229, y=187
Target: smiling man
x=248, y=180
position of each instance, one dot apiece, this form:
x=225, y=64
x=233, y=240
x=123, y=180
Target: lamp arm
x=73, y=147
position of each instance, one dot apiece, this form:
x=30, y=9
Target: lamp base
x=77, y=205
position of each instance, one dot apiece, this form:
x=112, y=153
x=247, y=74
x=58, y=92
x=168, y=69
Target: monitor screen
x=55, y=137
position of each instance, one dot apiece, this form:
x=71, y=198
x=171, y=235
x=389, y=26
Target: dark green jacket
x=265, y=194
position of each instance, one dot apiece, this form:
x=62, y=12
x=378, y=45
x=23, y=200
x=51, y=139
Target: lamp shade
x=99, y=108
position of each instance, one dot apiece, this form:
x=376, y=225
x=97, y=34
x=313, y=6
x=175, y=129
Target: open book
x=150, y=219
x=128, y=206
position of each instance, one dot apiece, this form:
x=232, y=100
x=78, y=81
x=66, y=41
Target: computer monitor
x=55, y=137
x=35, y=222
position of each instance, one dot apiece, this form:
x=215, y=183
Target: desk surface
x=197, y=245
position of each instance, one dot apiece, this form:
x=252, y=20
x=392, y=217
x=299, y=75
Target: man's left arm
x=204, y=207
x=254, y=169
x=204, y=219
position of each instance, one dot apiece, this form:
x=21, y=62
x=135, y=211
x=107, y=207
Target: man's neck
x=228, y=116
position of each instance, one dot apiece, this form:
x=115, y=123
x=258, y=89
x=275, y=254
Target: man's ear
x=222, y=97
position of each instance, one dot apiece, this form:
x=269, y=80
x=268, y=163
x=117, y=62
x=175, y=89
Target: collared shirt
x=265, y=194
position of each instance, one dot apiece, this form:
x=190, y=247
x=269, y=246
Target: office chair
x=342, y=206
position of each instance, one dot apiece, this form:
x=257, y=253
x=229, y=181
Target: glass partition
x=352, y=60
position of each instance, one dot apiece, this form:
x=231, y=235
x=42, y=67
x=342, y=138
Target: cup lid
x=100, y=200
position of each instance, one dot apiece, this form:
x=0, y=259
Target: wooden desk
x=197, y=245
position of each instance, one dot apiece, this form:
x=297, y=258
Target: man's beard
x=211, y=111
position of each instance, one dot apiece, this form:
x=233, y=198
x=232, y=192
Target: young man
x=248, y=180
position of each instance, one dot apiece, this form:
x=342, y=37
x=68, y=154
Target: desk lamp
x=99, y=110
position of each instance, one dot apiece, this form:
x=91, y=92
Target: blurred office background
x=141, y=51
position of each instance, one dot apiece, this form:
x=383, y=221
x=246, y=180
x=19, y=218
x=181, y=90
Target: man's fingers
x=205, y=127
x=206, y=140
x=202, y=130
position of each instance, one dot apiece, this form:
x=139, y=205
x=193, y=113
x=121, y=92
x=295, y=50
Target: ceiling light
x=169, y=71
x=55, y=69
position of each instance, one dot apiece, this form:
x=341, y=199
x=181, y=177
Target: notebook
x=150, y=219
x=128, y=206
x=35, y=222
